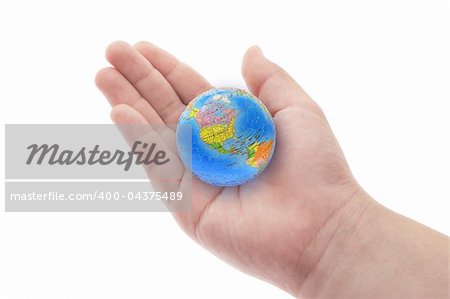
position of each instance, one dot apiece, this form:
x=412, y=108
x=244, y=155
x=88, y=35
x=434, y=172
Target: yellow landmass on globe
x=258, y=153
x=193, y=113
x=216, y=135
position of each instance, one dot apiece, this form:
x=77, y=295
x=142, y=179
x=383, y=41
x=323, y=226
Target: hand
x=293, y=220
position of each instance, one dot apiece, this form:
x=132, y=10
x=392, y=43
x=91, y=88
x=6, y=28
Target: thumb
x=272, y=84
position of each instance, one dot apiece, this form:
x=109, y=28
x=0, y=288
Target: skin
x=304, y=225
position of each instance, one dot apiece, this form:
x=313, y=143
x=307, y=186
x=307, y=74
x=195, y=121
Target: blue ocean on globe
x=226, y=136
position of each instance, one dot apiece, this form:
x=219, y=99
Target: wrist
x=341, y=238
x=376, y=253
x=308, y=272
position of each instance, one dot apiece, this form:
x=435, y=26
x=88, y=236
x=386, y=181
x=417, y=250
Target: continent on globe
x=226, y=136
x=258, y=153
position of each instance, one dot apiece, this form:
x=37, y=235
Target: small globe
x=226, y=136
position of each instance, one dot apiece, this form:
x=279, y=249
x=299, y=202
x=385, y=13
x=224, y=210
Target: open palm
x=277, y=226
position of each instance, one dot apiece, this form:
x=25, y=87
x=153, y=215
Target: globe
x=226, y=136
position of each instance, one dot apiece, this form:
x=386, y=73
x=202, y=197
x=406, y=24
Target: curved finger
x=196, y=193
x=270, y=83
x=140, y=135
x=184, y=80
x=123, y=114
x=147, y=80
x=118, y=91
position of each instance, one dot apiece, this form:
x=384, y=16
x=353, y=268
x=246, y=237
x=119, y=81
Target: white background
x=380, y=70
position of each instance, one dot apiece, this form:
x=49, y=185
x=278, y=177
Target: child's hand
x=304, y=224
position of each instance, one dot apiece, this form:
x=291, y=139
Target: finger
x=123, y=114
x=271, y=84
x=135, y=127
x=197, y=195
x=185, y=81
x=147, y=80
x=165, y=177
x=118, y=91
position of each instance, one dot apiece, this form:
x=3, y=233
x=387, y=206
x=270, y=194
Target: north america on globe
x=226, y=136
